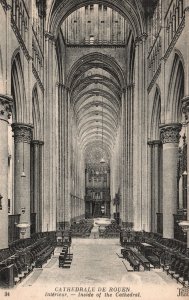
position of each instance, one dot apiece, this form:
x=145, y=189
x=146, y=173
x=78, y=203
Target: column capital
x=5, y=107
x=130, y=85
x=22, y=132
x=150, y=143
x=141, y=38
x=62, y=85
x=35, y=142
x=155, y=143
x=170, y=133
x=49, y=36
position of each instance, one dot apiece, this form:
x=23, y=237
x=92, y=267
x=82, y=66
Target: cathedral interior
x=94, y=110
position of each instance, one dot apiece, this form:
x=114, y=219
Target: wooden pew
x=128, y=255
x=62, y=256
x=154, y=260
x=143, y=260
x=133, y=263
x=44, y=256
x=7, y=276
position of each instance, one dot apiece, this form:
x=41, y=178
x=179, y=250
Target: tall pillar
x=75, y=203
x=139, y=138
x=41, y=144
x=37, y=182
x=22, y=140
x=67, y=154
x=5, y=103
x=155, y=182
x=170, y=139
x=50, y=135
x=185, y=102
x=129, y=145
x=124, y=213
x=72, y=207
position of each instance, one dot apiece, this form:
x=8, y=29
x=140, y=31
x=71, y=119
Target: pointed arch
x=18, y=89
x=156, y=115
x=108, y=62
x=131, y=58
x=130, y=10
x=36, y=114
x=175, y=90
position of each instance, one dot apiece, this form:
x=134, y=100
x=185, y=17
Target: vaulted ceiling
x=96, y=101
x=96, y=80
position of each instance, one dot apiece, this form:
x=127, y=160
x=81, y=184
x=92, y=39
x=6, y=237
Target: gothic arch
x=105, y=93
x=128, y=9
x=156, y=115
x=59, y=51
x=36, y=114
x=131, y=58
x=18, y=89
x=107, y=62
x=175, y=90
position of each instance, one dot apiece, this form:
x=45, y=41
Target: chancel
x=94, y=114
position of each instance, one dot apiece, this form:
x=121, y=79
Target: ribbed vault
x=96, y=84
x=132, y=10
x=96, y=80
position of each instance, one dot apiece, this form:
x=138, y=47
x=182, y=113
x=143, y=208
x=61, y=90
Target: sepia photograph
x=94, y=156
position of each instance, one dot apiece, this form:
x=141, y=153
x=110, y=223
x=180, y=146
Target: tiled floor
x=96, y=263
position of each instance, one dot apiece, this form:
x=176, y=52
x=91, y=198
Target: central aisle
x=96, y=263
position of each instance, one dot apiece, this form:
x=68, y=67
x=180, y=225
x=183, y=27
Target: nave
x=94, y=110
x=96, y=263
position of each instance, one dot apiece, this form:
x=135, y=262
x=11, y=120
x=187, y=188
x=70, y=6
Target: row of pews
x=170, y=254
x=138, y=260
x=65, y=257
x=17, y=261
x=81, y=228
x=178, y=268
x=111, y=231
x=174, y=256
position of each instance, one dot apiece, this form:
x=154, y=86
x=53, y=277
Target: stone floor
x=98, y=272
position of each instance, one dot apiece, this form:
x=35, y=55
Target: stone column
x=155, y=182
x=5, y=103
x=41, y=144
x=75, y=203
x=36, y=181
x=67, y=152
x=22, y=140
x=124, y=165
x=139, y=138
x=50, y=135
x=129, y=145
x=185, y=102
x=76, y=207
x=170, y=139
x=72, y=207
